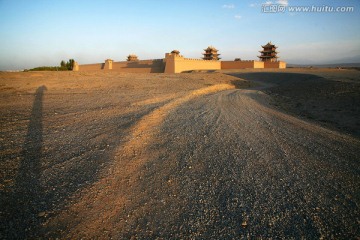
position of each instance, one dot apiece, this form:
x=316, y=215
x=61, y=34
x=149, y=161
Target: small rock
x=41, y=214
x=244, y=224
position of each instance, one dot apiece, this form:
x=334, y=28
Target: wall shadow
x=333, y=103
x=25, y=203
x=154, y=66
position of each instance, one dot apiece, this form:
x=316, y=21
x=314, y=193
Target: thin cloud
x=283, y=2
x=228, y=6
x=238, y=16
x=262, y=4
x=280, y=2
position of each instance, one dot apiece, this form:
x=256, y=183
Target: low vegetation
x=64, y=66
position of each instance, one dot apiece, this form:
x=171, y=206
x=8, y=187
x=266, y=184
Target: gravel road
x=246, y=170
x=215, y=163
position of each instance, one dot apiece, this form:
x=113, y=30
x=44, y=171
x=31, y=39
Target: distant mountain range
x=353, y=61
x=333, y=65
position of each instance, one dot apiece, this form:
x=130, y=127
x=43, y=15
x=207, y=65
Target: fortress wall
x=188, y=64
x=279, y=64
x=91, y=67
x=258, y=64
x=177, y=64
x=169, y=65
x=241, y=64
x=143, y=66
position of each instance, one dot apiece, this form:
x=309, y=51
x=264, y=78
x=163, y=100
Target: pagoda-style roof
x=268, y=56
x=269, y=45
x=213, y=54
x=175, y=51
x=132, y=57
x=211, y=48
x=268, y=51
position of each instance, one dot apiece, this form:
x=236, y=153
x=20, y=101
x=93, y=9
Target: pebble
x=41, y=214
x=244, y=224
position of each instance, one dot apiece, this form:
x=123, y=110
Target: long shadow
x=32, y=201
x=154, y=66
x=332, y=103
x=24, y=203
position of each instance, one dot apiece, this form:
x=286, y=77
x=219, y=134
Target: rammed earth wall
x=174, y=63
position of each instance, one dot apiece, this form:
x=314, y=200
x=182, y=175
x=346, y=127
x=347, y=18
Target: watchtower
x=211, y=53
x=269, y=53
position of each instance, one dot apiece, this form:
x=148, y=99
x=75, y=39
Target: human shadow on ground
x=55, y=165
x=24, y=203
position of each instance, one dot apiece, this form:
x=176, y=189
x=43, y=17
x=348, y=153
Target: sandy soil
x=253, y=153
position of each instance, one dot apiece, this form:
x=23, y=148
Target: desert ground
x=201, y=155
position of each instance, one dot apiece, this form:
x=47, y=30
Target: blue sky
x=36, y=33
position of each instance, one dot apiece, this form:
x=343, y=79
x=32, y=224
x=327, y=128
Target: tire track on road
x=101, y=204
x=280, y=171
x=224, y=165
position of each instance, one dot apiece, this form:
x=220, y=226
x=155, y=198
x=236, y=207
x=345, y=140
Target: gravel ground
x=180, y=156
x=330, y=97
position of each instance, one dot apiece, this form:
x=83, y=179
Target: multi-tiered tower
x=269, y=53
x=211, y=54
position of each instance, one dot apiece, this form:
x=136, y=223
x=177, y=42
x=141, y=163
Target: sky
x=44, y=32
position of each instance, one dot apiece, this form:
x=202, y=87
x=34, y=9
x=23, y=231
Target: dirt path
x=183, y=156
x=223, y=165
